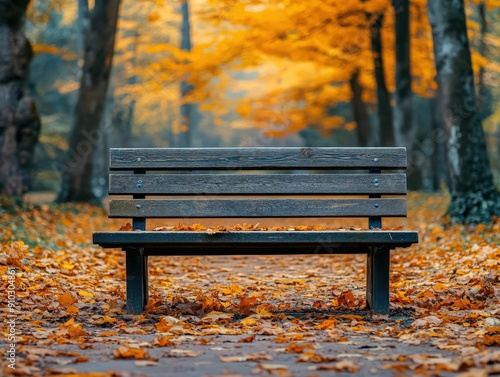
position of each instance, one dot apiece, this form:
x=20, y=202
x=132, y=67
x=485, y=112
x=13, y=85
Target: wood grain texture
x=256, y=239
x=256, y=184
x=218, y=208
x=258, y=158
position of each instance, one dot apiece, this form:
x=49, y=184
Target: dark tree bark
x=359, y=112
x=19, y=121
x=474, y=198
x=483, y=95
x=184, y=135
x=99, y=41
x=403, y=108
x=403, y=120
x=386, y=127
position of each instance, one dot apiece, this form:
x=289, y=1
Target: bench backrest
x=135, y=171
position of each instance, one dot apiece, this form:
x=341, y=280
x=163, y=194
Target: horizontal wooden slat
x=241, y=184
x=197, y=208
x=316, y=241
x=258, y=158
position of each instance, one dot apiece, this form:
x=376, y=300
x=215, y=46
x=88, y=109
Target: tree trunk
x=99, y=43
x=403, y=120
x=183, y=136
x=386, y=127
x=19, y=121
x=403, y=108
x=483, y=95
x=359, y=112
x=474, y=198
x=83, y=20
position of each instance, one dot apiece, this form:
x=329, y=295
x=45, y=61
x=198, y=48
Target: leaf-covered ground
x=242, y=315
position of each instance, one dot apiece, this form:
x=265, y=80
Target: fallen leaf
x=124, y=352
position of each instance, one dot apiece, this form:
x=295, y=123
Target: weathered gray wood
x=258, y=158
x=139, y=223
x=197, y=208
x=375, y=222
x=241, y=184
x=230, y=242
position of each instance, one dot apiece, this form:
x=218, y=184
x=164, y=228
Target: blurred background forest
x=258, y=73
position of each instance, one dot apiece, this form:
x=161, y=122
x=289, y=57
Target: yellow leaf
x=233, y=290
x=263, y=311
x=85, y=294
x=249, y=322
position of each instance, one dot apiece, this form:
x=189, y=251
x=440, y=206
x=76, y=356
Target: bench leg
x=137, y=280
x=377, y=280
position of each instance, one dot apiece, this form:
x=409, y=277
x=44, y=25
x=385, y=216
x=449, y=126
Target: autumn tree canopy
x=260, y=72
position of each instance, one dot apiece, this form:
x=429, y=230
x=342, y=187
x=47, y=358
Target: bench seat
x=296, y=242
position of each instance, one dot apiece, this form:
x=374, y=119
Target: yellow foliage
x=45, y=49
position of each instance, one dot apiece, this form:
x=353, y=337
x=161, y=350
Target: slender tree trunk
x=19, y=121
x=359, y=112
x=403, y=95
x=85, y=134
x=386, y=127
x=184, y=135
x=484, y=95
x=474, y=198
x=83, y=20
x=129, y=118
x=438, y=158
x=403, y=120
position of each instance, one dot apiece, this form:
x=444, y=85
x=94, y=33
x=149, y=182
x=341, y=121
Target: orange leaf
x=130, y=353
x=165, y=341
x=72, y=310
x=327, y=324
x=298, y=348
x=66, y=299
x=127, y=227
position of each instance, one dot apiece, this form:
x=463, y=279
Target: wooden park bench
x=216, y=193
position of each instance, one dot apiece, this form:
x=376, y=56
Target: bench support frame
x=377, y=280
x=137, y=280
